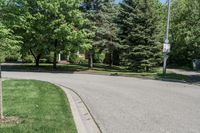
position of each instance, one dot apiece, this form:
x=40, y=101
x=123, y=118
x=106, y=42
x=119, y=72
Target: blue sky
x=163, y=1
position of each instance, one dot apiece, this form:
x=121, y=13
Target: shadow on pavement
x=43, y=68
x=181, y=78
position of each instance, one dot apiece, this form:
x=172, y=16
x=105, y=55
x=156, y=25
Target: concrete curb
x=85, y=122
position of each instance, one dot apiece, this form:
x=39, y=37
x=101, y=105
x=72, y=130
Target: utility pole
x=1, y=96
x=166, y=47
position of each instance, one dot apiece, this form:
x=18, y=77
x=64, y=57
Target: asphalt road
x=131, y=105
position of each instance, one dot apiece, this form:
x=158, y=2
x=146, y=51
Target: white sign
x=166, y=48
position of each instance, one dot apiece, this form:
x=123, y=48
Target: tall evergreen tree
x=102, y=14
x=107, y=38
x=138, y=28
x=89, y=9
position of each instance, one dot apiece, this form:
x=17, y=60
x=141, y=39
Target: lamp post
x=166, y=46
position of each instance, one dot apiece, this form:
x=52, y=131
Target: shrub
x=83, y=61
x=43, y=60
x=49, y=57
x=28, y=59
x=2, y=58
x=99, y=57
x=74, y=59
x=11, y=58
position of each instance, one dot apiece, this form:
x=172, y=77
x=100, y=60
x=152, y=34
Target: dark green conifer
x=138, y=28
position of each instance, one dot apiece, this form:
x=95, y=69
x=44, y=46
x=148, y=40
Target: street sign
x=166, y=48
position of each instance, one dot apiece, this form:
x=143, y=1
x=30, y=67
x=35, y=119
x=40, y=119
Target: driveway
x=131, y=105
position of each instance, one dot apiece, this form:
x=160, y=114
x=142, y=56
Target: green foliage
x=65, y=26
x=43, y=60
x=47, y=25
x=128, y=33
x=185, y=31
x=74, y=58
x=102, y=14
x=99, y=57
x=28, y=59
x=49, y=57
x=137, y=21
x=106, y=34
x=83, y=61
x=8, y=41
x=11, y=58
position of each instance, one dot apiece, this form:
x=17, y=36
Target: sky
x=163, y=1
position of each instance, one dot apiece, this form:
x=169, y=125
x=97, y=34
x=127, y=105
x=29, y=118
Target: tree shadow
x=173, y=77
x=43, y=68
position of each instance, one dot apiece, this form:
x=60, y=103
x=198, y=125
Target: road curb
x=84, y=121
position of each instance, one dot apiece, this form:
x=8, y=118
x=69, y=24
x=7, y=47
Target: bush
x=2, y=58
x=83, y=61
x=28, y=59
x=74, y=59
x=11, y=58
x=49, y=57
x=99, y=57
x=43, y=60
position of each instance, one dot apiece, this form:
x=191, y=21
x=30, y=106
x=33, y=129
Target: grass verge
x=100, y=69
x=41, y=106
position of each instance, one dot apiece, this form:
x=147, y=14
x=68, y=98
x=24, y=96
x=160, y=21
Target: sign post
x=166, y=51
x=1, y=95
x=166, y=46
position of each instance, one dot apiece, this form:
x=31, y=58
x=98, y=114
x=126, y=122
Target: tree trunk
x=1, y=96
x=90, y=59
x=37, y=58
x=111, y=59
x=55, y=60
x=55, y=55
x=147, y=69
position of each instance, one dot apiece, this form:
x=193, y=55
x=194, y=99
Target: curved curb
x=84, y=120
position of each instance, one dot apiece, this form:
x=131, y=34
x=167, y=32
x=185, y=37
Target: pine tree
x=102, y=14
x=107, y=38
x=137, y=21
x=89, y=9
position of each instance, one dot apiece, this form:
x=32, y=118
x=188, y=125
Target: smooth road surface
x=131, y=105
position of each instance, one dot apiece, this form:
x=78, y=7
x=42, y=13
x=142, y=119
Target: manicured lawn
x=71, y=68
x=100, y=69
x=41, y=106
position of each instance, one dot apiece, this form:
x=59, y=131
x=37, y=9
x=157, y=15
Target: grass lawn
x=100, y=69
x=41, y=106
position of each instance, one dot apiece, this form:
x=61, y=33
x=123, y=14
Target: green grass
x=78, y=68
x=42, y=107
x=100, y=69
